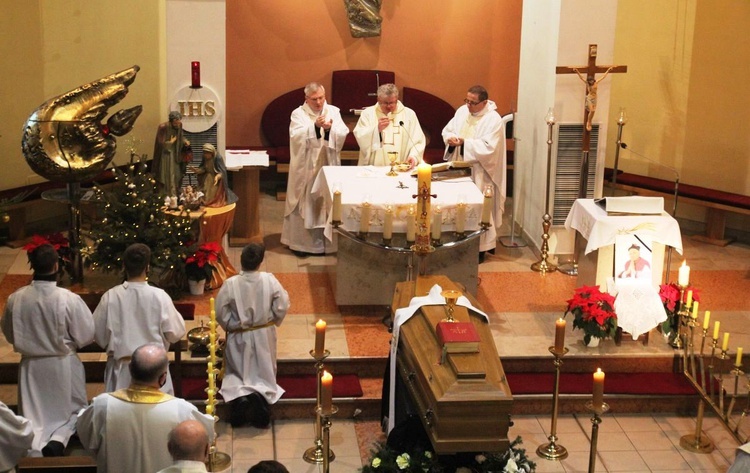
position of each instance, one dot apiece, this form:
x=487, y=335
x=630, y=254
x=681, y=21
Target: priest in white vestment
x=389, y=126
x=249, y=307
x=47, y=324
x=476, y=134
x=16, y=435
x=316, y=137
x=133, y=314
x=128, y=429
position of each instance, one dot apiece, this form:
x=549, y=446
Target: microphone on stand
x=411, y=141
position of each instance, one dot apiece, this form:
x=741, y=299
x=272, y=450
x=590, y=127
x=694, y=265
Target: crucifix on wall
x=592, y=85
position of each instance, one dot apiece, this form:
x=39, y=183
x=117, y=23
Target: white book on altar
x=634, y=204
x=236, y=159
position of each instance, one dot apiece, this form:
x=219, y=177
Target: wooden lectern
x=465, y=402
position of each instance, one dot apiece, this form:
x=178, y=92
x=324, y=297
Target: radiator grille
x=568, y=171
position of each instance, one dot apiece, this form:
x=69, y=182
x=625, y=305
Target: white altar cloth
x=601, y=229
x=360, y=182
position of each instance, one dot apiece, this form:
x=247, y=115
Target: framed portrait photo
x=633, y=257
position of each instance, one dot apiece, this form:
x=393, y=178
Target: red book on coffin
x=458, y=337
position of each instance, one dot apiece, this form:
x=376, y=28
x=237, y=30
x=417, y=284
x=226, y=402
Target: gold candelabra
x=543, y=265
x=217, y=461
x=316, y=453
x=553, y=450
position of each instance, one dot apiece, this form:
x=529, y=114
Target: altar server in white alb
x=476, y=134
x=249, y=307
x=316, y=137
x=128, y=429
x=389, y=126
x=47, y=324
x=133, y=314
x=16, y=435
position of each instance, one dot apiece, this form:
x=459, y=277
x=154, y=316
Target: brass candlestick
x=680, y=319
x=326, y=422
x=315, y=454
x=217, y=461
x=696, y=442
x=543, y=266
x=596, y=419
x=552, y=450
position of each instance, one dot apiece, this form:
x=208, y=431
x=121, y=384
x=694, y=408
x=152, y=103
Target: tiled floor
x=522, y=327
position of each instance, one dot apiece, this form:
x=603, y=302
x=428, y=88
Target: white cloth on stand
x=128, y=316
x=637, y=305
x=16, y=436
x=251, y=299
x=47, y=324
x=402, y=315
x=129, y=436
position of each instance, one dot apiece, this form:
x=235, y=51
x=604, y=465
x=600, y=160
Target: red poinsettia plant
x=199, y=265
x=670, y=297
x=593, y=312
x=58, y=241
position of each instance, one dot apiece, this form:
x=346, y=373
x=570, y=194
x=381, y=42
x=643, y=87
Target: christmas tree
x=134, y=212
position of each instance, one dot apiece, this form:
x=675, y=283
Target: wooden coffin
x=464, y=402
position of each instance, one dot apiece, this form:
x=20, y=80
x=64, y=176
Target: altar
x=596, y=260
x=368, y=267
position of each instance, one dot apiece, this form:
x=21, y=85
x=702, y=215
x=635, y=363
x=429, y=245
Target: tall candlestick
x=706, y=319
x=388, y=223
x=725, y=345
x=437, y=223
x=320, y=337
x=326, y=393
x=695, y=310
x=683, y=276
x=598, y=389
x=424, y=182
x=364, y=222
x=336, y=211
x=195, y=74
x=738, y=361
x=560, y=335
x=411, y=224
x=716, y=331
x=461, y=218
x=486, y=206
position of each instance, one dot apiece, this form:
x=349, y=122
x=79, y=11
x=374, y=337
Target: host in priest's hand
x=47, y=324
x=475, y=134
x=386, y=127
x=316, y=137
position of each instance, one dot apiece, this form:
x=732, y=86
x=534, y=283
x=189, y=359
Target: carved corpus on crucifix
x=592, y=84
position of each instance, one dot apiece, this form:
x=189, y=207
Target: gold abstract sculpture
x=364, y=17
x=65, y=140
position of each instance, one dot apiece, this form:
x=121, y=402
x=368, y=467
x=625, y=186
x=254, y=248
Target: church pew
x=68, y=464
x=716, y=202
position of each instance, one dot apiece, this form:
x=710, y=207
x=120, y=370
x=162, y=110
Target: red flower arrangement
x=58, y=241
x=199, y=265
x=593, y=312
x=670, y=297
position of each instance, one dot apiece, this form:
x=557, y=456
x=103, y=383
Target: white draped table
x=360, y=183
x=600, y=230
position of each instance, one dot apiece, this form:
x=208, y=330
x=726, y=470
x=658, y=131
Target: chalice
x=451, y=296
x=393, y=158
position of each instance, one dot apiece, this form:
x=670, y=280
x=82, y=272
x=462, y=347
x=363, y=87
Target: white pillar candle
x=461, y=217
x=437, y=223
x=683, y=277
x=388, y=223
x=336, y=211
x=486, y=206
x=411, y=224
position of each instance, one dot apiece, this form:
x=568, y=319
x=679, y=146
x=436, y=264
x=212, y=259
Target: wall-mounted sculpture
x=364, y=17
